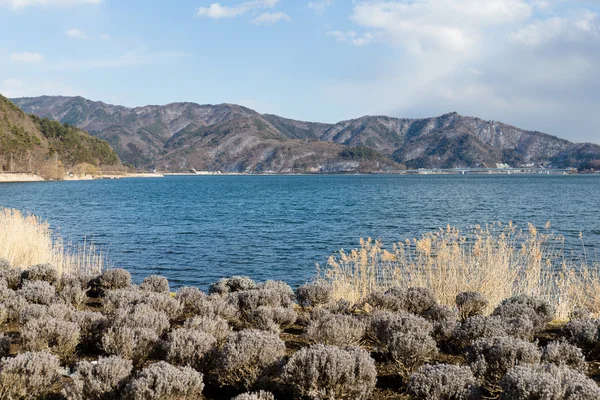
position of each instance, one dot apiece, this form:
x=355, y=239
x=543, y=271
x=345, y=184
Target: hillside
x=45, y=147
x=234, y=138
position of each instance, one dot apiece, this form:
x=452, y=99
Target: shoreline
x=22, y=178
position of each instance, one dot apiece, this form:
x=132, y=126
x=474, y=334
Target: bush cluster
x=443, y=382
x=335, y=329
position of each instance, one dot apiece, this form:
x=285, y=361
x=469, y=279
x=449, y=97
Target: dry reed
x=498, y=260
x=26, y=240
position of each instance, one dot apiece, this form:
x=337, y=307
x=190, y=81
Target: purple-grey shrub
x=540, y=312
x=384, y=324
x=29, y=375
x=246, y=356
x=141, y=316
x=189, y=347
x=281, y=287
x=155, y=283
x=51, y=334
x=215, y=326
x=477, y=327
x=12, y=277
x=121, y=298
x=163, y=302
x=385, y=301
x=231, y=285
x=37, y=311
x=547, y=381
x=249, y=300
x=336, y=330
x=165, y=382
x=491, y=358
x=136, y=344
x=14, y=304
x=4, y=345
x=443, y=320
x=40, y=272
x=443, y=382
x=261, y=395
x=409, y=351
x=188, y=297
x=314, y=294
x=38, y=292
x=563, y=353
x=417, y=300
x=470, y=304
x=322, y=372
x=3, y=314
x=92, y=325
x=102, y=380
x=113, y=279
x=584, y=333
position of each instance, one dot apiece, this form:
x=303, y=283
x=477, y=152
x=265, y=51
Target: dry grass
x=497, y=260
x=26, y=240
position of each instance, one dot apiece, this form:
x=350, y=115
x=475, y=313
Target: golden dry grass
x=26, y=240
x=498, y=260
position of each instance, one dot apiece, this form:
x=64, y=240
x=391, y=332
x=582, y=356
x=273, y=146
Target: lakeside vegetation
x=494, y=312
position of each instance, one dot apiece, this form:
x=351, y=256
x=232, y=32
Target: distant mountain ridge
x=230, y=137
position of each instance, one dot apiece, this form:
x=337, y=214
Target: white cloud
x=218, y=11
x=321, y=5
x=132, y=58
x=353, y=37
x=268, y=18
x=105, y=36
x=26, y=57
x=20, y=4
x=76, y=34
x=19, y=88
x=577, y=26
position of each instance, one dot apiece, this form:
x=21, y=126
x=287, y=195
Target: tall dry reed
x=26, y=240
x=498, y=260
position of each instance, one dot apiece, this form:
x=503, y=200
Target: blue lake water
x=197, y=229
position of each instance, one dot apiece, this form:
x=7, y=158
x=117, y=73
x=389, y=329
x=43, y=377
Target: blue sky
x=531, y=63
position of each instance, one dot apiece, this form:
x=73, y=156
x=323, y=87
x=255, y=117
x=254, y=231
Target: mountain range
x=228, y=137
x=48, y=148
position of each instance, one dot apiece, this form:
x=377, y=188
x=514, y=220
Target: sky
x=531, y=63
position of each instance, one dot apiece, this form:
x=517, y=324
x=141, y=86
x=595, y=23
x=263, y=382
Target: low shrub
x=336, y=330
x=112, y=279
x=314, y=294
x=38, y=292
x=584, y=333
x=231, y=285
x=73, y=295
x=214, y=326
x=141, y=316
x=443, y=320
x=28, y=375
x=470, y=304
x=121, y=298
x=475, y=328
x=263, y=318
x=262, y=395
x=166, y=382
x=385, y=301
x=579, y=312
x=246, y=356
x=547, y=381
x=384, y=324
x=443, y=382
x=250, y=300
x=51, y=334
x=163, y=302
x=37, y=311
x=491, y=358
x=563, y=353
x=410, y=351
x=92, y=325
x=4, y=345
x=213, y=305
x=40, y=272
x=12, y=277
x=327, y=372
x=188, y=296
x=155, y=283
x=281, y=287
x=3, y=314
x=14, y=303
x=136, y=344
x=102, y=380
x=539, y=311
x=188, y=347
x=417, y=300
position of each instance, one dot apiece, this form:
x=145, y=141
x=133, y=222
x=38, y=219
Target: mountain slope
x=32, y=144
x=235, y=138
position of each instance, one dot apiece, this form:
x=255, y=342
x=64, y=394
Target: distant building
x=502, y=166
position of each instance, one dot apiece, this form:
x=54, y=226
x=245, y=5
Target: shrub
x=519, y=327
x=92, y=326
x=491, y=358
x=409, y=351
x=155, y=283
x=335, y=329
x=164, y=381
x=188, y=347
x=163, y=302
x=262, y=395
x=215, y=326
x=384, y=324
x=547, y=381
x=246, y=356
x=141, y=316
x=417, y=300
x=37, y=311
x=579, y=312
x=281, y=287
x=213, y=305
x=328, y=372
x=4, y=264
x=231, y=285
x=4, y=345
x=443, y=382
x=250, y=300
x=58, y=336
x=103, y=380
x=188, y=297
x=3, y=314
x=112, y=279
x=314, y=293
x=121, y=298
x=385, y=301
x=583, y=333
x=563, y=353
x=73, y=295
x=340, y=306
x=12, y=277
x=40, y=272
x=477, y=327
x=14, y=304
x=38, y=292
x=470, y=304
x=28, y=375
x=136, y=344
x=443, y=320
x=539, y=311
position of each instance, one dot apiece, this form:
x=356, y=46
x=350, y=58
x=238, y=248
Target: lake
x=197, y=229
